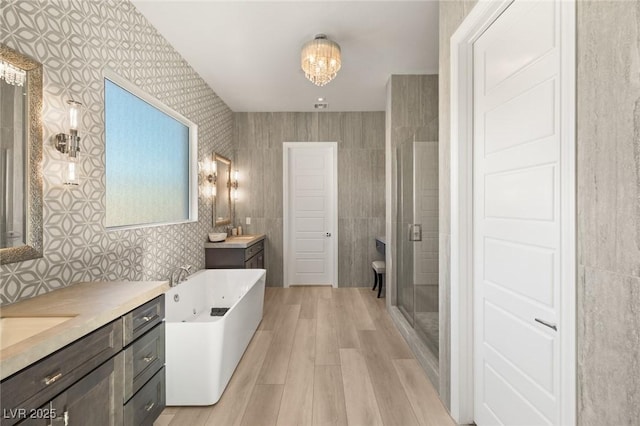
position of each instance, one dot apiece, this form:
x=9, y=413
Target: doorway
x=513, y=214
x=310, y=213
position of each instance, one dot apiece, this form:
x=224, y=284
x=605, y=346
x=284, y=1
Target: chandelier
x=12, y=75
x=320, y=60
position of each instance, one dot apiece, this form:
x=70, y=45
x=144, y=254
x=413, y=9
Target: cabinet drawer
x=143, y=359
x=147, y=404
x=251, y=251
x=39, y=383
x=143, y=319
x=256, y=262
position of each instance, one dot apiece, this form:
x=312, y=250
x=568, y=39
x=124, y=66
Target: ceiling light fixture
x=320, y=60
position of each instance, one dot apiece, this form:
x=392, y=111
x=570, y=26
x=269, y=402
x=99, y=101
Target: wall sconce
x=70, y=144
x=234, y=185
x=209, y=171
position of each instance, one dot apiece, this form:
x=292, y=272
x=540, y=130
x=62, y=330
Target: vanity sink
x=216, y=237
x=16, y=329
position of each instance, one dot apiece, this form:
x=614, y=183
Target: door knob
x=328, y=234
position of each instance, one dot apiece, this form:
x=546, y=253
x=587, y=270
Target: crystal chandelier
x=12, y=75
x=320, y=60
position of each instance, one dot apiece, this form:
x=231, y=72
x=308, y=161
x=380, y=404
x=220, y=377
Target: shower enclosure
x=417, y=238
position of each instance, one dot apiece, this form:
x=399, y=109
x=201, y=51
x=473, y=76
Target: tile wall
x=608, y=176
x=259, y=136
x=75, y=41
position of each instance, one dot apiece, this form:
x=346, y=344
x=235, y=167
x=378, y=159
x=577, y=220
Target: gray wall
x=608, y=135
x=608, y=197
x=75, y=41
x=360, y=135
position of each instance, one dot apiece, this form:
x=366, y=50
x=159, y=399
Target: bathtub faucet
x=180, y=274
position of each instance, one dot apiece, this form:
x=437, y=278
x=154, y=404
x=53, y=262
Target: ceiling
x=249, y=51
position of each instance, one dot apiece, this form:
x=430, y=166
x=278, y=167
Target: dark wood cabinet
x=142, y=319
x=142, y=360
x=112, y=376
x=94, y=400
x=144, y=357
x=30, y=390
x=148, y=403
x=251, y=257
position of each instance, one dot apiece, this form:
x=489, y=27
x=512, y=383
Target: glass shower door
x=405, y=260
x=417, y=238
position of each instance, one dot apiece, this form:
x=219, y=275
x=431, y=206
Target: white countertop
x=242, y=241
x=33, y=328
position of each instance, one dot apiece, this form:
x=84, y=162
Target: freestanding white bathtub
x=202, y=351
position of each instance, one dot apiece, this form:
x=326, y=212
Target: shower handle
x=415, y=232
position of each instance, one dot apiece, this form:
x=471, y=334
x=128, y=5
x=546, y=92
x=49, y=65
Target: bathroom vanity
x=241, y=252
x=90, y=353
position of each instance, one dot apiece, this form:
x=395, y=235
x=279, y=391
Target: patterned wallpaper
x=75, y=40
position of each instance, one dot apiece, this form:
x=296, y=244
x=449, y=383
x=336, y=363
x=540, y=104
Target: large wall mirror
x=20, y=157
x=222, y=212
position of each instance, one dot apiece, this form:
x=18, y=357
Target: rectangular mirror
x=20, y=157
x=222, y=206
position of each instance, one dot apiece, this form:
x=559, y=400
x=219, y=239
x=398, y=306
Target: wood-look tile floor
x=322, y=356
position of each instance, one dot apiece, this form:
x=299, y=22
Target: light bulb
x=70, y=172
x=74, y=114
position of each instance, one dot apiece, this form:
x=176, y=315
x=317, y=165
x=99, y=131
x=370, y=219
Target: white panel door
x=311, y=227
x=517, y=217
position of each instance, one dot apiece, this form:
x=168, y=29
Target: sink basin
x=216, y=237
x=16, y=329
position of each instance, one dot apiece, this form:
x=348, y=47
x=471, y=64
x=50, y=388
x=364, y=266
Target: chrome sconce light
x=234, y=185
x=209, y=171
x=70, y=144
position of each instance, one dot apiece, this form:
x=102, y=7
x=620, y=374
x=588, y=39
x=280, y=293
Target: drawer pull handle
x=147, y=319
x=149, y=406
x=51, y=379
x=149, y=358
